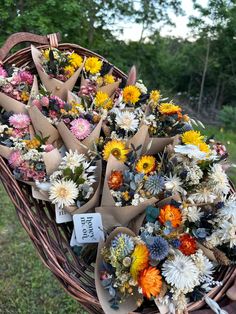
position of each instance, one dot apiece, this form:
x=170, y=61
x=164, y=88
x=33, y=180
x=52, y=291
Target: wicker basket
x=38, y=217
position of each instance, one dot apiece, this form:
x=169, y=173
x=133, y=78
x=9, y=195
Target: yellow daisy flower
x=204, y=147
x=99, y=81
x=117, y=149
x=155, y=95
x=32, y=144
x=146, y=164
x=140, y=258
x=169, y=109
x=102, y=100
x=109, y=79
x=69, y=70
x=75, y=60
x=93, y=65
x=131, y=94
x=192, y=137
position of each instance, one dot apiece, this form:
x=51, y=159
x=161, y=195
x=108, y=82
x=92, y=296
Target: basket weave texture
x=38, y=217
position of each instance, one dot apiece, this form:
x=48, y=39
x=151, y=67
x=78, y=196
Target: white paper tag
x=73, y=240
x=88, y=227
x=62, y=216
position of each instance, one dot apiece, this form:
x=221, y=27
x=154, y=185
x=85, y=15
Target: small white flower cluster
x=225, y=225
x=194, y=174
x=33, y=154
x=137, y=200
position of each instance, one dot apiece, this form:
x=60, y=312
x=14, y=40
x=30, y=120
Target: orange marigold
x=150, y=282
x=188, y=244
x=172, y=214
x=140, y=258
x=115, y=180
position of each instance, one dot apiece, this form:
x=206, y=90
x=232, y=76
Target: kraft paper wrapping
x=140, y=138
x=43, y=127
x=10, y=104
x=130, y=303
x=71, y=142
x=53, y=85
x=5, y=151
x=94, y=201
x=39, y=194
x=157, y=144
x=110, y=88
x=113, y=215
x=72, y=97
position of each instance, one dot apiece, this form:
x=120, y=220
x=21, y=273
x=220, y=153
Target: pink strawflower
x=52, y=114
x=44, y=101
x=19, y=120
x=15, y=159
x=16, y=94
x=48, y=148
x=16, y=79
x=58, y=100
x=81, y=128
x=26, y=77
x=37, y=103
x=3, y=73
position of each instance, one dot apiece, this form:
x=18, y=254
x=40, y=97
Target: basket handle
x=17, y=38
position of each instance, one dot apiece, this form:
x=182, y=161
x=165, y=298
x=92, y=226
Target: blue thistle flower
x=159, y=249
x=154, y=184
x=175, y=243
x=123, y=243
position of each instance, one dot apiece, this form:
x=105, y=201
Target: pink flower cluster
x=88, y=89
x=19, y=83
x=25, y=170
x=50, y=106
x=20, y=123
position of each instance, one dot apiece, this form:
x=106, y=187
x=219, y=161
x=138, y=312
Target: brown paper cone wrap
x=53, y=85
x=72, y=97
x=110, y=88
x=71, y=142
x=129, y=304
x=140, y=138
x=114, y=215
x=157, y=144
x=52, y=160
x=94, y=201
x=5, y=151
x=42, y=126
x=11, y=104
x=39, y=194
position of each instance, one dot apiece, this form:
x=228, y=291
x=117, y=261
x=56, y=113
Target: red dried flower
x=115, y=180
x=188, y=244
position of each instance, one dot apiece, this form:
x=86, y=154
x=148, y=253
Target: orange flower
x=188, y=244
x=150, y=282
x=115, y=180
x=140, y=258
x=172, y=214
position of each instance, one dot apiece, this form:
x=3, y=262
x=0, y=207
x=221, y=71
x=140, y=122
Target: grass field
x=26, y=286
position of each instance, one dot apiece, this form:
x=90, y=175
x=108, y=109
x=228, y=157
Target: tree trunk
x=221, y=96
x=204, y=76
x=217, y=92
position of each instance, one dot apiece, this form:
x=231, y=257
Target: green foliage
x=227, y=116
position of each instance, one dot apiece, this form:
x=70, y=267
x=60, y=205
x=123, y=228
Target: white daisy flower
x=141, y=87
x=126, y=120
x=227, y=232
x=72, y=160
x=181, y=273
x=192, y=151
x=63, y=192
x=219, y=180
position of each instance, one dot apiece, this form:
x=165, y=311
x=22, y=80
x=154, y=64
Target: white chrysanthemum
x=174, y=184
x=213, y=240
x=181, y=273
x=63, y=192
x=227, y=232
x=127, y=120
x=192, y=213
x=192, y=151
x=203, y=264
x=72, y=160
x=219, y=179
x=229, y=210
x=3, y=127
x=33, y=154
x=203, y=195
